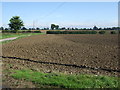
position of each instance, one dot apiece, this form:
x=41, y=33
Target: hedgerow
x=113, y=32
x=71, y=32
x=101, y=32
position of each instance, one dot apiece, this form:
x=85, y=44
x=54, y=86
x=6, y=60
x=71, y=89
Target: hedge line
x=81, y=32
x=101, y=32
x=28, y=31
x=71, y=32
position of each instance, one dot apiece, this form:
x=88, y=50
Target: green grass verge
x=19, y=35
x=66, y=80
x=8, y=35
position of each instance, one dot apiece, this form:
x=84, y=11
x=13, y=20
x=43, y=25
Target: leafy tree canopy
x=15, y=23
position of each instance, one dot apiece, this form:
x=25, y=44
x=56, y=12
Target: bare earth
x=89, y=54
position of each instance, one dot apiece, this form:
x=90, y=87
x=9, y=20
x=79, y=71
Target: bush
x=113, y=32
x=8, y=31
x=37, y=31
x=3, y=31
x=71, y=32
x=101, y=32
x=28, y=31
x=23, y=32
x=19, y=31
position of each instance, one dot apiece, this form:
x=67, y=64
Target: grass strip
x=67, y=80
x=8, y=35
x=19, y=35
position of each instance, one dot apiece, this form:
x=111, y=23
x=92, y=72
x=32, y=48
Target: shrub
x=71, y=32
x=8, y=31
x=3, y=31
x=113, y=32
x=19, y=31
x=28, y=31
x=101, y=32
x=37, y=31
x=23, y=31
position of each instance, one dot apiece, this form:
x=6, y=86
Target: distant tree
x=104, y=28
x=84, y=28
x=95, y=28
x=15, y=23
x=57, y=27
x=99, y=28
x=90, y=28
x=33, y=28
x=47, y=28
x=63, y=28
x=23, y=28
x=72, y=28
x=53, y=26
x=44, y=28
x=30, y=28
x=68, y=28
x=115, y=28
x=6, y=28
x=76, y=28
x=37, y=28
x=1, y=28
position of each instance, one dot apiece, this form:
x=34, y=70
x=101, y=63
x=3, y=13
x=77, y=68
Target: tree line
x=17, y=24
x=63, y=28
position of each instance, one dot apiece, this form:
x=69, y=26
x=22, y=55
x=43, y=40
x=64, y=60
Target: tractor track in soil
x=68, y=65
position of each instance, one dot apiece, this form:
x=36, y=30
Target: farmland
x=59, y=45
x=69, y=54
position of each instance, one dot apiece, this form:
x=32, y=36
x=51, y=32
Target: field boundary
x=69, y=65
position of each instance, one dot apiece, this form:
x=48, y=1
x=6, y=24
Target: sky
x=65, y=14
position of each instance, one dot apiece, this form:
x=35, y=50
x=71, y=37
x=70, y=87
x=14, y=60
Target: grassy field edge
x=66, y=80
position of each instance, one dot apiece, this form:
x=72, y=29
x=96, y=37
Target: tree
x=53, y=26
x=47, y=28
x=95, y=28
x=37, y=28
x=23, y=28
x=68, y=28
x=1, y=28
x=30, y=28
x=15, y=23
x=99, y=28
x=76, y=28
x=63, y=28
x=57, y=27
x=33, y=28
x=73, y=29
x=6, y=28
x=84, y=28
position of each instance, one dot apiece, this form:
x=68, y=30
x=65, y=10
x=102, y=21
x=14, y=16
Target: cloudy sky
x=65, y=14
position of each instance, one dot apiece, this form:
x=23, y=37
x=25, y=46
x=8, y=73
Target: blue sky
x=65, y=14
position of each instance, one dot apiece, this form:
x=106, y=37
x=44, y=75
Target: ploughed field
x=72, y=53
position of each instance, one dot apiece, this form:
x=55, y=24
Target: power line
x=33, y=24
x=51, y=12
x=54, y=10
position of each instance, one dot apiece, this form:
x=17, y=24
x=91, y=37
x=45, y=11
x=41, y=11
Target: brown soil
x=91, y=54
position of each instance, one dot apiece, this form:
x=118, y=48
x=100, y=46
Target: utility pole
x=33, y=24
